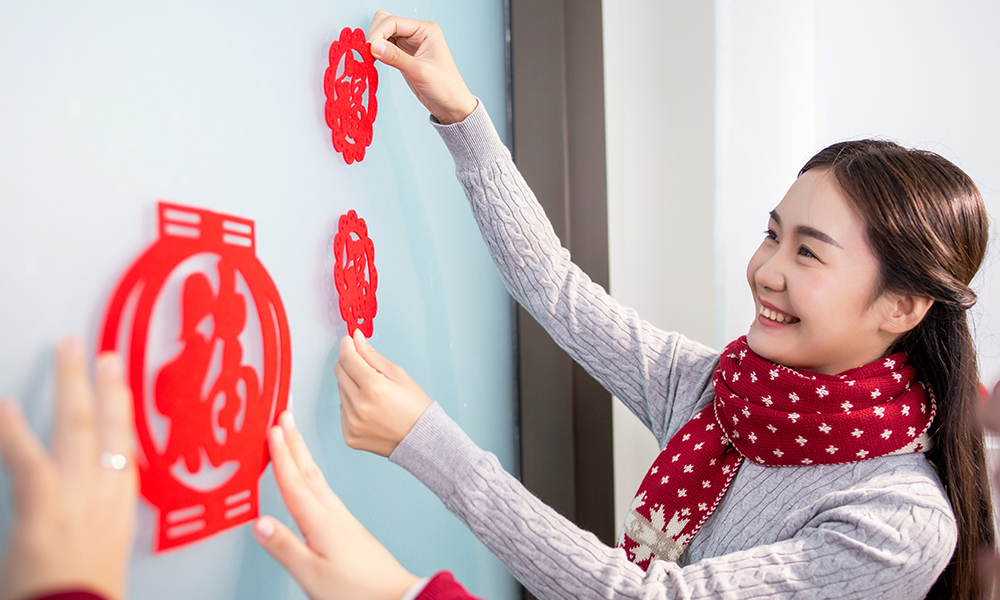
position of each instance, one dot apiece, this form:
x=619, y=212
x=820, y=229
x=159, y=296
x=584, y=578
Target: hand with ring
x=74, y=508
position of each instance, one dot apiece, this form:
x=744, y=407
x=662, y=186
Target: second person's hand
x=418, y=50
x=379, y=402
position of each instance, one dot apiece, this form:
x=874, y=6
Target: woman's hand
x=339, y=558
x=73, y=517
x=379, y=403
x=418, y=50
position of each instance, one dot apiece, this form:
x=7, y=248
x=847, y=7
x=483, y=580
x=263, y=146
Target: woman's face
x=812, y=280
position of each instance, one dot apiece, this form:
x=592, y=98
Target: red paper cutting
x=350, y=79
x=354, y=273
x=207, y=382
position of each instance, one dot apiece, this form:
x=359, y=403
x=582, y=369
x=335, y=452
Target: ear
x=904, y=312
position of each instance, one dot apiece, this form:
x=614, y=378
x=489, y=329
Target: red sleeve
x=444, y=587
x=70, y=595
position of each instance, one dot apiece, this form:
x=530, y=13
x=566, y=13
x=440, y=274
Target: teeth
x=776, y=316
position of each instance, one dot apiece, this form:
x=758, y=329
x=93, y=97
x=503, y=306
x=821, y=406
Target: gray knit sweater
x=880, y=528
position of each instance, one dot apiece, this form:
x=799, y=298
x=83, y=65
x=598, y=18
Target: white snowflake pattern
x=699, y=445
x=710, y=427
x=889, y=363
x=862, y=453
x=753, y=377
x=923, y=409
x=778, y=453
x=688, y=468
x=746, y=412
x=774, y=374
x=743, y=354
x=906, y=409
x=772, y=428
x=806, y=461
x=857, y=433
x=686, y=437
x=712, y=462
x=794, y=417
x=793, y=397
x=885, y=434
x=725, y=468
x=825, y=428
x=665, y=479
x=654, y=470
x=752, y=437
x=682, y=493
x=832, y=449
x=706, y=484
x=897, y=376
x=675, y=458
x=801, y=441
x=685, y=512
x=702, y=506
x=880, y=411
x=736, y=376
x=847, y=406
x=876, y=393
x=850, y=383
x=735, y=419
x=912, y=431
x=822, y=392
x=767, y=400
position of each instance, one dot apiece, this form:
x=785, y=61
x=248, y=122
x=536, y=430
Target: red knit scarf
x=777, y=417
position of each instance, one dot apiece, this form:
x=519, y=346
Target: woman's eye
x=806, y=252
x=770, y=234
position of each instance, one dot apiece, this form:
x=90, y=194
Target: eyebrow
x=807, y=231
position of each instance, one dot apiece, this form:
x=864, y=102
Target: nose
x=770, y=274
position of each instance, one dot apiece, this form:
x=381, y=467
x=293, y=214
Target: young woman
x=833, y=451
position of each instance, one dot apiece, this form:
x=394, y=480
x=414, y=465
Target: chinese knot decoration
x=354, y=273
x=204, y=336
x=350, y=80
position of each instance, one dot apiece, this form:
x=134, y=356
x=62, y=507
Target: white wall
x=659, y=118
x=689, y=193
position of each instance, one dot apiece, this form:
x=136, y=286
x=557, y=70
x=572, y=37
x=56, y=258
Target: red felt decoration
x=354, y=273
x=208, y=382
x=350, y=79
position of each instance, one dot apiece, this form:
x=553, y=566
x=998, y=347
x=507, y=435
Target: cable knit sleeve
x=662, y=377
x=883, y=540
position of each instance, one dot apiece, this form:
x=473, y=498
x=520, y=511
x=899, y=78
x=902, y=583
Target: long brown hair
x=927, y=226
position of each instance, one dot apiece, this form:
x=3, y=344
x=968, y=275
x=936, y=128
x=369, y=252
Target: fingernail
x=110, y=365
x=264, y=527
x=378, y=49
x=72, y=347
x=289, y=419
x=278, y=435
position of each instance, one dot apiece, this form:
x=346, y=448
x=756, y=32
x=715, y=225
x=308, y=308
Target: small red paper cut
x=349, y=80
x=208, y=382
x=354, y=273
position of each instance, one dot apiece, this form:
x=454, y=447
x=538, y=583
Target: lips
x=773, y=314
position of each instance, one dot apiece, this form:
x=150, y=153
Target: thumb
x=285, y=547
x=390, y=54
x=378, y=362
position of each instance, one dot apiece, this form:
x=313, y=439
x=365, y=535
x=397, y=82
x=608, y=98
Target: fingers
x=303, y=505
x=356, y=367
x=114, y=406
x=74, y=442
x=371, y=356
x=285, y=547
x=23, y=455
x=344, y=381
x=310, y=472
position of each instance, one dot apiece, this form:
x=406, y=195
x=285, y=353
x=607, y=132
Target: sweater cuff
x=443, y=586
x=473, y=142
x=433, y=449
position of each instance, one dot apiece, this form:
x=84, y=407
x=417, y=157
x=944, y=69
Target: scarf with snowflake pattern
x=778, y=417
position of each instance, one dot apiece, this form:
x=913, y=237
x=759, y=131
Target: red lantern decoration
x=204, y=336
x=350, y=80
x=354, y=273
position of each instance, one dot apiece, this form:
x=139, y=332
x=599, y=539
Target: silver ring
x=115, y=462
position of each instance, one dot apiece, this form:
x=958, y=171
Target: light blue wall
x=107, y=107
